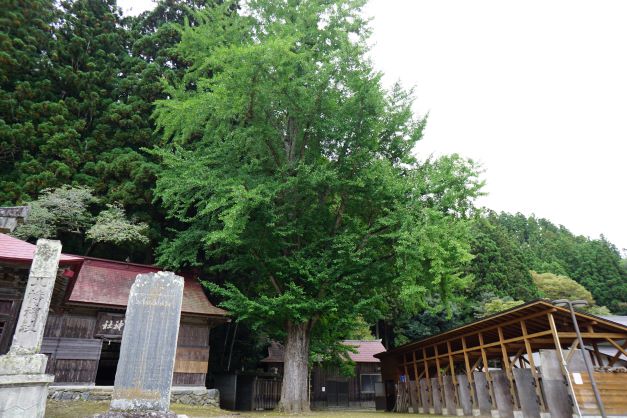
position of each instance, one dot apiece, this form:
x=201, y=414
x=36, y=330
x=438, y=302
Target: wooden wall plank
x=72, y=348
x=54, y=324
x=75, y=326
x=186, y=366
x=612, y=389
x=75, y=371
x=188, y=379
x=192, y=353
x=191, y=335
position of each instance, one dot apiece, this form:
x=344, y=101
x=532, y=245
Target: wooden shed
x=86, y=320
x=523, y=362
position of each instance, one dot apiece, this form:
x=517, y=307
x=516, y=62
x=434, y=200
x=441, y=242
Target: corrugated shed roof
x=17, y=251
x=106, y=282
x=619, y=319
x=366, y=349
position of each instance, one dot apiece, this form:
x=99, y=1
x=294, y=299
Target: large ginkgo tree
x=289, y=168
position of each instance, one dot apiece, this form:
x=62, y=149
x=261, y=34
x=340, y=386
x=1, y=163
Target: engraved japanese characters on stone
x=34, y=311
x=144, y=375
x=46, y=258
x=23, y=382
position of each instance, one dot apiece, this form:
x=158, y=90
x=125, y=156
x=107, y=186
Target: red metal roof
x=18, y=251
x=107, y=282
x=366, y=349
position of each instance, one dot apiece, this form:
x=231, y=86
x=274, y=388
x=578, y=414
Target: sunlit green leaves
x=291, y=173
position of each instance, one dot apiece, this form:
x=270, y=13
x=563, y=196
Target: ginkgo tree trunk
x=289, y=169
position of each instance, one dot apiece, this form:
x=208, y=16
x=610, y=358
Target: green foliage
x=68, y=210
x=554, y=287
x=593, y=263
x=597, y=310
x=290, y=169
x=65, y=209
x=77, y=86
x=361, y=331
x=435, y=317
x=26, y=100
x=492, y=305
x=112, y=226
x=499, y=266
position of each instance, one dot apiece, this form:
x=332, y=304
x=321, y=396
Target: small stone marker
x=144, y=375
x=23, y=384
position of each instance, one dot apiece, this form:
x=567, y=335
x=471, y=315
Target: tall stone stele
x=144, y=374
x=23, y=382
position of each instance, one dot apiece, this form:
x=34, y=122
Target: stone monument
x=23, y=382
x=144, y=375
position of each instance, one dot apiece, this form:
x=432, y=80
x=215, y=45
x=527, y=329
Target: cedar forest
x=260, y=150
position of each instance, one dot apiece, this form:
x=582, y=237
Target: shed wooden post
x=406, y=387
x=560, y=356
x=508, y=369
x=453, y=377
x=428, y=377
x=469, y=375
x=484, y=357
x=532, y=365
x=416, y=377
x=439, y=375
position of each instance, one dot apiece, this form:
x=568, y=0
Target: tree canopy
x=78, y=83
x=554, y=287
x=67, y=213
x=594, y=263
x=290, y=168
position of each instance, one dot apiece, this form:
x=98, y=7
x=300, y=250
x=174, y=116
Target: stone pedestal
x=24, y=395
x=23, y=382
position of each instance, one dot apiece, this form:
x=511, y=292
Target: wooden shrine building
x=523, y=362
x=86, y=319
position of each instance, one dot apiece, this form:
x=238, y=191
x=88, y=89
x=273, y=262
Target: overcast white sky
x=534, y=90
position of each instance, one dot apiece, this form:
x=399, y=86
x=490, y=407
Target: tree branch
x=340, y=213
x=273, y=279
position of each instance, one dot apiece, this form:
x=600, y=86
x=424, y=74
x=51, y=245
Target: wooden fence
x=266, y=394
x=612, y=387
